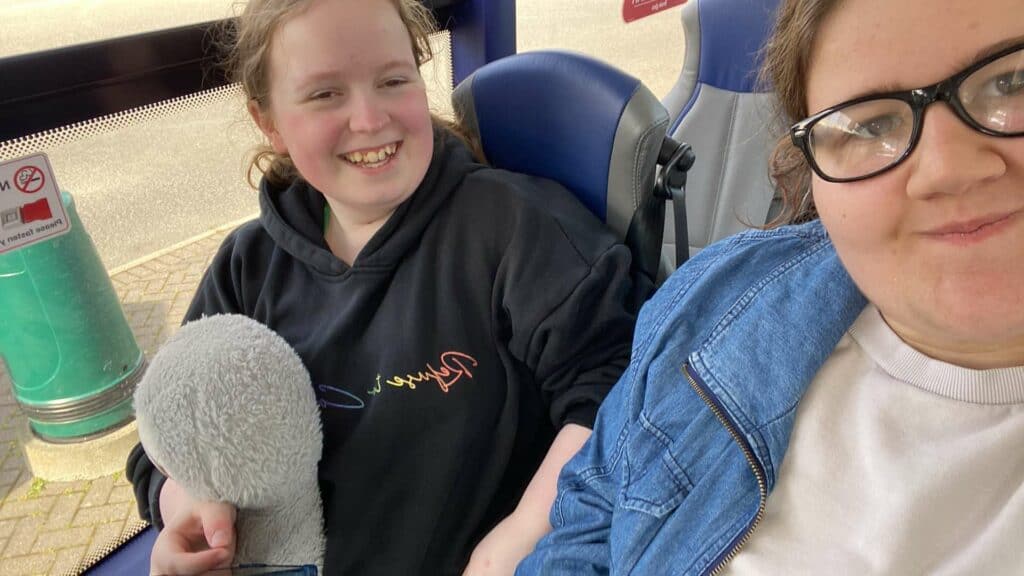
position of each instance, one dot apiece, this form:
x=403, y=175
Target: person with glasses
x=843, y=394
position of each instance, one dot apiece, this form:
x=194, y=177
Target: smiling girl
x=461, y=324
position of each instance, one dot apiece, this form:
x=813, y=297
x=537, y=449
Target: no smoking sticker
x=29, y=179
x=31, y=209
x=637, y=9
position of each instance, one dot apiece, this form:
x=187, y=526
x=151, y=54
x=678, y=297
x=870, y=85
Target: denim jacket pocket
x=658, y=484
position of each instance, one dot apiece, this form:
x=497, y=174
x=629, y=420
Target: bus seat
x=582, y=123
x=717, y=107
x=132, y=558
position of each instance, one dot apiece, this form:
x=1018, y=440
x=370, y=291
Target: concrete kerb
x=153, y=256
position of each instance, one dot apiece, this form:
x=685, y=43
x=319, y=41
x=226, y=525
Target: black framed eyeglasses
x=866, y=136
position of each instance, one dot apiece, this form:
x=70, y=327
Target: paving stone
x=11, y=411
x=64, y=510
x=65, y=488
x=120, y=494
x=8, y=434
x=7, y=527
x=10, y=476
x=102, y=514
x=14, y=461
x=132, y=295
x=104, y=535
x=178, y=312
x=15, y=466
x=23, y=537
x=27, y=565
x=5, y=489
x=99, y=492
x=154, y=286
x=67, y=560
x=139, y=316
x=23, y=484
x=17, y=507
x=65, y=538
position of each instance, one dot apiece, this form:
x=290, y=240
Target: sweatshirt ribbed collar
x=293, y=216
x=904, y=363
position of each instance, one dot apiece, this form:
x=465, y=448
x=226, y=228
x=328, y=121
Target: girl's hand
x=199, y=536
x=507, y=544
x=515, y=537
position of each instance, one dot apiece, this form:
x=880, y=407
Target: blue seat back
x=718, y=108
x=582, y=123
x=131, y=559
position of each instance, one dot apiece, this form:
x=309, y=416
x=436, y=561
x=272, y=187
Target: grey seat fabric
x=718, y=108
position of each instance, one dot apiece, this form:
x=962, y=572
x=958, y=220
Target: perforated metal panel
x=53, y=139
x=438, y=75
x=151, y=177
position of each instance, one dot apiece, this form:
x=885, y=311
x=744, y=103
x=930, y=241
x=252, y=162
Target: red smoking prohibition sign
x=29, y=179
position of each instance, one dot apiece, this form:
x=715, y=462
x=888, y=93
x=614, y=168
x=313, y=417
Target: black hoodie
x=490, y=310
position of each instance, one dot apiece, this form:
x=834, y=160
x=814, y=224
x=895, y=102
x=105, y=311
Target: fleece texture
x=227, y=409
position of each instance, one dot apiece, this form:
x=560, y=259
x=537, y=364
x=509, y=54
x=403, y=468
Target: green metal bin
x=72, y=359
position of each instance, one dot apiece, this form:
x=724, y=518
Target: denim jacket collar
x=760, y=359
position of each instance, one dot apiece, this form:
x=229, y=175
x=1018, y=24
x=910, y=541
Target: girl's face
x=937, y=243
x=348, y=105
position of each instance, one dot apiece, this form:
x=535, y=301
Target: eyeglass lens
x=866, y=137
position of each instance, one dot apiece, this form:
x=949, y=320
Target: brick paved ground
x=52, y=527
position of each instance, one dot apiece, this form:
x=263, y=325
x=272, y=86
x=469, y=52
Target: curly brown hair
x=787, y=56
x=247, y=41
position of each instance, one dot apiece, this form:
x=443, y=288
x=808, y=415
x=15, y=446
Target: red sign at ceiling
x=637, y=9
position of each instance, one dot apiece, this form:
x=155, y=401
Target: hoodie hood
x=293, y=215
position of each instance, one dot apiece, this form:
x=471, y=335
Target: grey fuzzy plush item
x=227, y=410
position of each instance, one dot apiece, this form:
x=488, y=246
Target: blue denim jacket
x=688, y=445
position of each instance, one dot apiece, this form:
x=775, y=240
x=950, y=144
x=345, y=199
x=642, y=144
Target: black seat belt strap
x=675, y=159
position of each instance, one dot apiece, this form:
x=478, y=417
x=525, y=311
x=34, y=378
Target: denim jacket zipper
x=762, y=484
